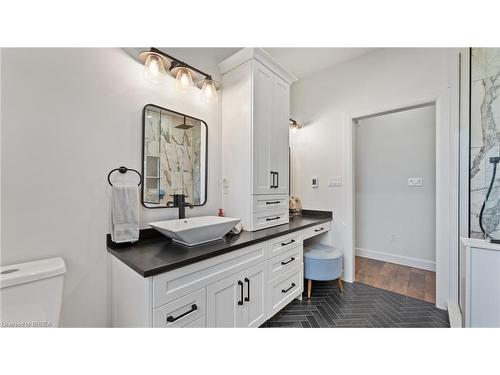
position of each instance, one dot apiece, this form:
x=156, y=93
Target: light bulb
x=294, y=126
x=184, y=79
x=154, y=70
x=209, y=90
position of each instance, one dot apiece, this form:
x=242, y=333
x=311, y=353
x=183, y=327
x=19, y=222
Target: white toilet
x=31, y=293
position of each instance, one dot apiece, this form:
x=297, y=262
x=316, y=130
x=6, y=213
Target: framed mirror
x=174, y=157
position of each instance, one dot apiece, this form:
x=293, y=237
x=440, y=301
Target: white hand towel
x=125, y=213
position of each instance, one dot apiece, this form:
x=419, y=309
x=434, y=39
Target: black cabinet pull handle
x=291, y=260
x=319, y=229
x=286, y=290
x=287, y=243
x=247, y=298
x=273, y=202
x=277, y=180
x=273, y=218
x=240, y=283
x=171, y=319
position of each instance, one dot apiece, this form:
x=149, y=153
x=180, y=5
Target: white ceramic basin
x=195, y=230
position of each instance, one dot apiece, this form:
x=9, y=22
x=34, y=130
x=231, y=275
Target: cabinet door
x=223, y=302
x=255, y=301
x=263, y=80
x=279, y=134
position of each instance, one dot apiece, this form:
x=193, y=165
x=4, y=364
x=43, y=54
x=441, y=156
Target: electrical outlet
x=314, y=182
x=225, y=186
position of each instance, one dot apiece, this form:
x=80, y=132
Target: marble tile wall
x=179, y=160
x=178, y=151
x=485, y=139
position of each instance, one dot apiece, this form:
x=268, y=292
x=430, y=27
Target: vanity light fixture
x=182, y=74
x=154, y=68
x=209, y=88
x=155, y=62
x=294, y=125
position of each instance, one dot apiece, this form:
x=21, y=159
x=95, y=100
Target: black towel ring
x=124, y=170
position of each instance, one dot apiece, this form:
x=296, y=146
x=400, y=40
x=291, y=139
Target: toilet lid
x=31, y=271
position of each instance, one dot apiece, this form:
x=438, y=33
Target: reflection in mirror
x=174, y=157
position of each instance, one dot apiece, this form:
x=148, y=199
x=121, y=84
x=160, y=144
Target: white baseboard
x=398, y=259
x=454, y=315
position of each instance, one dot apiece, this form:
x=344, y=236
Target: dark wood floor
x=408, y=281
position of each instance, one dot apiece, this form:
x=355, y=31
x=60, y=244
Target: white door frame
x=446, y=189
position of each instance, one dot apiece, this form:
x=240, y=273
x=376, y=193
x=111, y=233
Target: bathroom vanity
x=239, y=281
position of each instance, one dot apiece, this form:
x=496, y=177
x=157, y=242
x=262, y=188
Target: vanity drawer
x=285, y=261
x=317, y=229
x=182, y=281
x=262, y=220
x=198, y=323
x=266, y=203
x=284, y=289
x=182, y=311
x=285, y=243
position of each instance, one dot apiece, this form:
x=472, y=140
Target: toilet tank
x=31, y=293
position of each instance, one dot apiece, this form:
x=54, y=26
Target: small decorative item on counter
x=236, y=229
x=221, y=212
x=294, y=205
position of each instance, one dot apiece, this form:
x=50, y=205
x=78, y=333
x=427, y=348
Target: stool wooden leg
x=340, y=285
x=309, y=288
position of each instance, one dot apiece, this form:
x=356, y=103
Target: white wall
x=395, y=222
x=324, y=101
x=68, y=117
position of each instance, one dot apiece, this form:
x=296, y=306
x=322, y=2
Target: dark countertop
x=154, y=254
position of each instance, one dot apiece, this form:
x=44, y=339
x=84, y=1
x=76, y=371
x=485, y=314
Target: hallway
x=408, y=281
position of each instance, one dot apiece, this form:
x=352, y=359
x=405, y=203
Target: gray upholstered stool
x=322, y=263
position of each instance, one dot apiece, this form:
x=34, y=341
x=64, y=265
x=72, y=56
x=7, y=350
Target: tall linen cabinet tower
x=255, y=138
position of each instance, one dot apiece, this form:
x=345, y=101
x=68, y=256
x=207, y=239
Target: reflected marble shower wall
x=180, y=159
x=485, y=139
x=172, y=144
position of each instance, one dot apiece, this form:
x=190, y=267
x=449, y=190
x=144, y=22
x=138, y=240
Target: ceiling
x=301, y=62
x=305, y=61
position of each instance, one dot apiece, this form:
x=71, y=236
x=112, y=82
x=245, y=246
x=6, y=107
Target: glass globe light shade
x=184, y=79
x=154, y=71
x=209, y=90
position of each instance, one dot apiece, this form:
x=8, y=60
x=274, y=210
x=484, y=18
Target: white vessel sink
x=195, y=230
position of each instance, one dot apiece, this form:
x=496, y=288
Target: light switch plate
x=335, y=181
x=415, y=182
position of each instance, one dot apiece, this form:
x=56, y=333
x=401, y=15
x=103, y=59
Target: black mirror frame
x=143, y=153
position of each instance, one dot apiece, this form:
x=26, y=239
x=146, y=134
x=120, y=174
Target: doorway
x=395, y=200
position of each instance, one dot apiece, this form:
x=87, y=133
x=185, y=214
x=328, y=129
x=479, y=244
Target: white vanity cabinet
x=239, y=300
x=241, y=288
x=480, y=283
x=270, y=133
x=255, y=137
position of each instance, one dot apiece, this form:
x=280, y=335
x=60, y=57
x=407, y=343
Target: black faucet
x=179, y=200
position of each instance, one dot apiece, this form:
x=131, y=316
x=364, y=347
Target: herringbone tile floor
x=359, y=306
